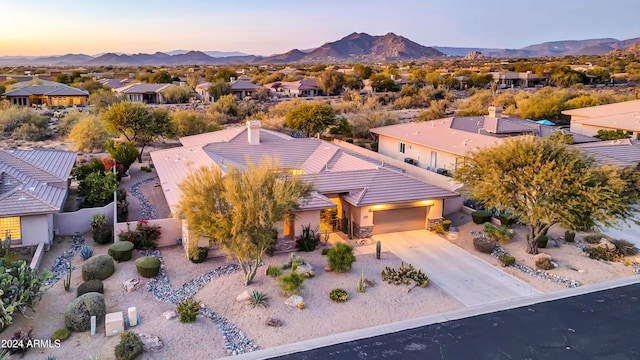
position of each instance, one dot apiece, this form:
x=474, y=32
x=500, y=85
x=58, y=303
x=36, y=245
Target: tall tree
x=124, y=153
x=218, y=89
x=160, y=77
x=331, y=81
x=190, y=122
x=311, y=118
x=237, y=211
x=545, y=182
x=382, y=82
x=88, y=133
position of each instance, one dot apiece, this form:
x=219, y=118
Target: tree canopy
x=545, y=182
x=331, y=81
x=237, y=211
x=311, y=118
x=87, y=132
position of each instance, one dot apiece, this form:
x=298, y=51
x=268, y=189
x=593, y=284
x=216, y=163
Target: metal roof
x=142, y=88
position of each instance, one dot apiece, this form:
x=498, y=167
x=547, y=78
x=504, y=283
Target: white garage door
x=386, y=221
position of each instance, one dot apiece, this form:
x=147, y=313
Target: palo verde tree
x=124, y=153
x=545, y=182
x=311, y=118
x=237, y=211
x=137, y=123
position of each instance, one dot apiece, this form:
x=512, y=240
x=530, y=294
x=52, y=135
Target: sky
x=265, y=27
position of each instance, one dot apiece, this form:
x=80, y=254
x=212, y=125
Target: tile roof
x=138, y=88
x=625, y=121
x=623, y=152
x=57, y=90
x=34, y=181
x=244, y=84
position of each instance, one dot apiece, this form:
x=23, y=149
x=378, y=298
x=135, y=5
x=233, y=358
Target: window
x=12, y=225
x=402, y=147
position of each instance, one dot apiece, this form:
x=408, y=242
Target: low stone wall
x=37, y=257
x=362, y=231
x=170, y=230
x=69, y=223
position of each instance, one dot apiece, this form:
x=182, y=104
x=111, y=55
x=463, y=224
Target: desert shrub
x=446, y=224
x=121, y=251
x=593, y=239
x=291, y=283
x=144, y=236
x=81, y=172
x=483, y=244
x=339, y=295
x=480, y=216
x=293, y=260
x=498, y=233
x=507, y=219
x=439, y=229
x=122, y=210
x=544, y=263
x=258, y=298
x=507, y=260
x=325, y=251
x=98, y=221
x=20, y=340
x=61, y=334
x=20, y=286
x=542, y=241
x=86, y=252
x=308, y=240
x=404, y=275
x=624, y=247
x=129, y=347
x=361, y=285
x=103, y=235
x=274, y=271
x=340, y=257
x=121, y=194
x=569, y=236
x=90, y=286
x=599, y=253
x=148, y=266
x=199, y=255
x=188, y=310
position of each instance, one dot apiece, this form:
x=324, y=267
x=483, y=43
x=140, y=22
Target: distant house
x=623, y=152
x=202, y=91
x=33, y=187
x=146, y=93
x=243, y=87
x=47, y=94
x=366, y=196
x=300, y=88
x=623, y=116
x=519, y=79
x=112, y=83
x=441, y=145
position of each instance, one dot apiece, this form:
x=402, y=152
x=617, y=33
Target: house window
x=10, y=225
x=402, y=147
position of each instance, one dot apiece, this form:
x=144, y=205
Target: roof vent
x=495, y=111
x=253, y=132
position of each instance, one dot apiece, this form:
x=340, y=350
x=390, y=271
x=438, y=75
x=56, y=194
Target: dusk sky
x=39, y=27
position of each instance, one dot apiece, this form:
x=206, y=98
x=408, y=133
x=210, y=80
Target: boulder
x=91, y=286
x=132, y=285
x=170, y=314
x=608, y=245
x=539, y=256
x=148, y=266
x=273, y=322
x=98, y=267
x=304, y=268
x=151, y=342
x=294, y=300
x=121, y=251
x=243, y=296
x=484, y=244
x=77, y=315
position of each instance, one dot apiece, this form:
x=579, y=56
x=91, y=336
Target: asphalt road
x=599, y=325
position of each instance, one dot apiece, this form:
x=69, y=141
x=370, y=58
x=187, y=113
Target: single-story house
x=366, y=195
x=300, y=88
x=243, y=87
x=146, y=93
x=519, y=79
x=47, y=94
x=440, y=145
x=33, y=187
x=624, y=116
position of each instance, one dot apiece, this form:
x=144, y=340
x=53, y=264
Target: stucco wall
x=35, y=229
x=69, y=223
x=390, y=147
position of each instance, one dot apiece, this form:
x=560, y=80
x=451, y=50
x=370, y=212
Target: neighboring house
x=441, y=145
x=202, y=91
x=33, y=187
x=368, y=196
x=624, y=152
x=243, y=87
x=624, y=116
x=518, y=79
x=48, y=94
x=146, y=93
x=300, y=88
x=112, y=83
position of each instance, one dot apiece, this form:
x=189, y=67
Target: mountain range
x=355, y=47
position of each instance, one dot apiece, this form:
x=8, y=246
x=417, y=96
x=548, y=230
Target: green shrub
x=129, y=347
x=90, y=286
x=144, y=168
x=86, y=252
x=148, y=266
x=593, y=239
x=122, y=210
x=20, y=286
x=308, y=240
x=439, y=229
x=188, y=310
x=199, y=255
x=293, y=260
x=542, y=241
x=498, y=233
x=98, y=221
x=258, y=298
x=624, y=247
x=121, y=251
x=446, y=224
x=480, y=216
x=339, y=295
x=340, y=257
x=544, y=263
x=569, y=236
x=274, y=271
x=103, y=235
x=507, y=219
x=404, y=275
x=599, y=253
x=507, y=260
x=61, y=334
x=325, y=251
x=291, y=283
x=144, y=236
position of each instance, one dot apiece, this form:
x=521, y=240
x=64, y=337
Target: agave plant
x=86, y=252
x=258, y=298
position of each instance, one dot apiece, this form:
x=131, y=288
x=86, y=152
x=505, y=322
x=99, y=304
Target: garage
x=404, y=219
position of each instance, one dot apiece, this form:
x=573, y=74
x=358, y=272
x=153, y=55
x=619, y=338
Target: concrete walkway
x=467, y=278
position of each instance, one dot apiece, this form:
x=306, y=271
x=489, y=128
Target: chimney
x=495, y=111
x=253, y=132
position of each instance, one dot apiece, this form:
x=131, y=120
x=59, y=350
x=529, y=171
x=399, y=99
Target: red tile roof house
x=33, y=187
x=441, y=145
x=371, y=196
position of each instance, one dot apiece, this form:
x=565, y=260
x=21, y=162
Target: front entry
x=404, y=219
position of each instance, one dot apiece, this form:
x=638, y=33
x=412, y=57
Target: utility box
x=114, y=323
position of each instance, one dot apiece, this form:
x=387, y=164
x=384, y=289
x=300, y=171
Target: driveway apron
x=464, y=276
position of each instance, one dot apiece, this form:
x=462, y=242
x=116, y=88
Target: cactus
x=86, y=252
x=67, y=280
x=361, y=286
x=19, y=287
x=378, y=248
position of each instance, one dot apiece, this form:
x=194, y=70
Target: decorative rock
x=77, y=316
x=539, y=256
x=607, y=244
x=244, y=296
x=304, y=268
x=151, y=342
x=170, y=314
x=484, y=244
x=327, y=268
x=273, y=322
x=132, y=285
x=90, y=286
x=98, y=267
x=294, y=300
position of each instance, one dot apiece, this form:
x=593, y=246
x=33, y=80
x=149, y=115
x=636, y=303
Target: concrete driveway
x=467, y=278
